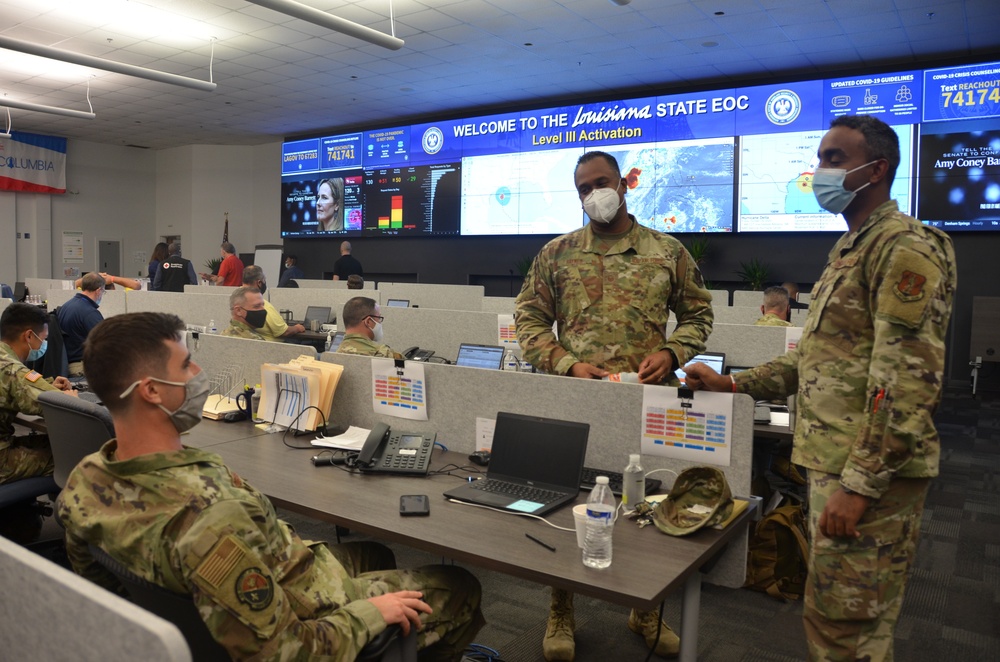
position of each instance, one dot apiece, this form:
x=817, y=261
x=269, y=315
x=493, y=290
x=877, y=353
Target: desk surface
x=648, y=564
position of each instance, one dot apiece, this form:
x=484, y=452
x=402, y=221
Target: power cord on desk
x=294, y=421
x=447, y=470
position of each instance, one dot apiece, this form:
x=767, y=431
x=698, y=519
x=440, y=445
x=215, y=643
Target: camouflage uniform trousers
x=449, y=590
x=854, y=590
x=25, y=457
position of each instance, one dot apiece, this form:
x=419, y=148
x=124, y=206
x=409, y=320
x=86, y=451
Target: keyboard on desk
x=516, y=490
x=589, y=478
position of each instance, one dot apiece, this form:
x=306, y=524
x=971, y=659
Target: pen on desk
x=543, y=544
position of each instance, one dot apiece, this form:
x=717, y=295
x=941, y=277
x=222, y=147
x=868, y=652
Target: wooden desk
x=648, y=564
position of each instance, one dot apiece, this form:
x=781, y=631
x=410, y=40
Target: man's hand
x=402, y=607
x=841, y=515
x=62, y=383
x=297, y=328
x=702, y=377
x=656, y=367
x=586, y=371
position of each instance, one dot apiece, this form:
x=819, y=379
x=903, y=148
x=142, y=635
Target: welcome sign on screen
x=727, y=160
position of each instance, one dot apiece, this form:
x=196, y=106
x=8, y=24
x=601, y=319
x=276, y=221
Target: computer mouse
x=482, y=458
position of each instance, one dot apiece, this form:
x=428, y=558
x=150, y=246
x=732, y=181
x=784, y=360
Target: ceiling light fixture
x=325, y=20
x=7, y=134
x=52, y=110
x=620, y=3
x=106, y=65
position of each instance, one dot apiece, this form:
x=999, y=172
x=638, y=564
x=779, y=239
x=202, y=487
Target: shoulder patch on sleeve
x=911, y=283
x=220, y=562
x=32, y=376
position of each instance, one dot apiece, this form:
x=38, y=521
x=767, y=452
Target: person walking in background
x=346, y=265
x=160, y=254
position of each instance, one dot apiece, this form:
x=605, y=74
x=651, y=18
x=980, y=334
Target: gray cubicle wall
x=297, y=300
x=43, y=285
x=112, y=303
x=719, y=298
x=193, y=308
x=426, y=295
x=218, y=353
x=310, y=283
x=748, y=315
x=439, y=330
x=50, y=613
x=456, y=396
x=4, y=303
x=210, y=289
x=499, y=305
x=744, y=344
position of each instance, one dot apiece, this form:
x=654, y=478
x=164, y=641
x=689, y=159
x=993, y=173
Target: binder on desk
x=299, y=394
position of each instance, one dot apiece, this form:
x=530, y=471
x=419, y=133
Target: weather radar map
x=679, y=186
x=776, y=173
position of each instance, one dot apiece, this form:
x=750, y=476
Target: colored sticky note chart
x=506, y=330
x=700, y=431
x=399, y=391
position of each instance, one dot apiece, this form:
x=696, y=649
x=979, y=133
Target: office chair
x=389, y=646
x=76, y=428
x=26, y=489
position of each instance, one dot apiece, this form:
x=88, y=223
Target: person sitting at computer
x=355, y=282
x=275, y=328
x=363, y=330
x=246, y=305
x=180, y=518
x=78, y=316
x=23, y=332
x=776, y=310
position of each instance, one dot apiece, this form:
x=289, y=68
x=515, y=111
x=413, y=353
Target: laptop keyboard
x=589, y=478
x=516, y=490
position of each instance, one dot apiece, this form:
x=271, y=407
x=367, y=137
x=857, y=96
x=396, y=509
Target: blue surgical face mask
x=35, y=354
x=828, y=187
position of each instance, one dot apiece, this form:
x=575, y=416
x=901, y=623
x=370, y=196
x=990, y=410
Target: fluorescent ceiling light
x=134, y=19
x=107, y=65
x=52, y=110
x=325, y=20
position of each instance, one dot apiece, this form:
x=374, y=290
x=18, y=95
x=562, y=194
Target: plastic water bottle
x=633, y=483
x=600, y=524
x=329, y=341
x=212, y=328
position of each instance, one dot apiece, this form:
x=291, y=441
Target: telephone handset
x=400, y=452
x=416, y=354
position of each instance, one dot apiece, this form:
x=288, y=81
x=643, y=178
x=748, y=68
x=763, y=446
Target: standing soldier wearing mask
x=610, y=286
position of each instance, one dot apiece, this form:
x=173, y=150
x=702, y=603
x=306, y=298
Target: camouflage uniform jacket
x=355, y=343
x=611, y=310
x=770, y=319
x=19, y=389
x=869, y=367
x=184, y=521
x=238, y=329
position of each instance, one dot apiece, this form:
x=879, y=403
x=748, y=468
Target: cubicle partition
x=210, y=289
x=499, y=305
x=311, y=283
x=720, y=298
x=457, y=396
x=43, y=285
x=4, y=303
x=193, y=308
x=112, y=302
x=215, y=354
x=438, y=330
x=297, y=300
x=426, y=295
x=749, y=315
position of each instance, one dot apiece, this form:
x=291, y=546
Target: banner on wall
x=34, y=163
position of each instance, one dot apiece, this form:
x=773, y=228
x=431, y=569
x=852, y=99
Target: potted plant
x=753, y=273
x=213, y=265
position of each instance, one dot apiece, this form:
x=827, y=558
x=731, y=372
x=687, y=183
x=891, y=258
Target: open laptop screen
x=398, y=303
x=480, y=356
x=338, y=338
x=538, y=450
x=715, y=360
x=321, y=313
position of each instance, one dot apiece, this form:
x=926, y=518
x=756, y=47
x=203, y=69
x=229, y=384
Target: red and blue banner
x=33, y=163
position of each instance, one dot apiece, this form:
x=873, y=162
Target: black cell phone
x=414, y=504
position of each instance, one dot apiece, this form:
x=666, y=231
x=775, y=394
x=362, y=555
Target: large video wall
x=727, y=160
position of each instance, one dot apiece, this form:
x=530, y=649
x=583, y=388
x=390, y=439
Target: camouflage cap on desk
x=700, y=497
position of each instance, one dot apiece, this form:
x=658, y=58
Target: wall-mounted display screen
x=727, y=160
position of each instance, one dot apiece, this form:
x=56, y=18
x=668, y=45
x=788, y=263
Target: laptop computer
x=338, y=338
x=398, y=303
x=535, y=465
x=480, y=356
x=320, y=313
x=715, y=360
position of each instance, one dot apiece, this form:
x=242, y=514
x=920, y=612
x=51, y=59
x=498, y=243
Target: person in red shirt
x=231, y=269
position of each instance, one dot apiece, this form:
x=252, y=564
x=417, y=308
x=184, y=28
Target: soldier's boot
x=558, y=644
x=644, y=623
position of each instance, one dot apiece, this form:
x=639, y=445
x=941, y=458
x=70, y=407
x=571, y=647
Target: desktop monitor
x=715, y=360
x=480, y=356
x=20, y=291
x=398, y=303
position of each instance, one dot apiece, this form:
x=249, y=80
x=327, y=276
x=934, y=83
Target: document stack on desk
x=298, y=394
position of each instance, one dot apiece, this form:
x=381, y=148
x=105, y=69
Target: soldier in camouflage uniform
x=776, y=309
x=868, y=372
x=23, y=330
x=363, y=330
x=246, y=305
x=178, y=517
x=609, y=287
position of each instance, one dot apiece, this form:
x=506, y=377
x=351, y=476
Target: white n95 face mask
x=602, y=204
x=828, y=187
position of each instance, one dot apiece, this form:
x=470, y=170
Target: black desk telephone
x=386, y=451
x=416, y=354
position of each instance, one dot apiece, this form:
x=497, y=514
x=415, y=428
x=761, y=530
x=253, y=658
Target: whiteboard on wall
x=268, y=258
